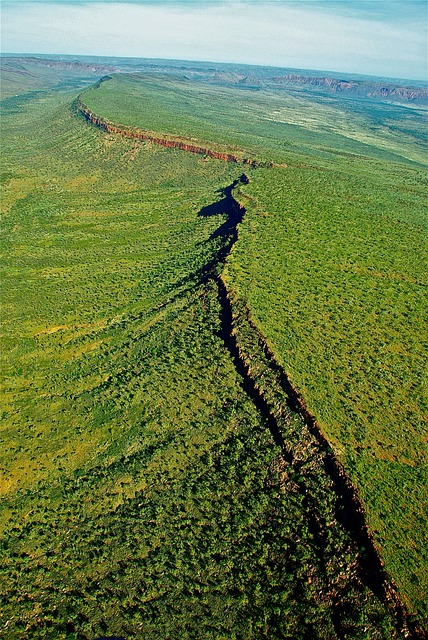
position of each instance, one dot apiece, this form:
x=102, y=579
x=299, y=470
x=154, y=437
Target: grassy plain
x=331, y=263
x=143, y=495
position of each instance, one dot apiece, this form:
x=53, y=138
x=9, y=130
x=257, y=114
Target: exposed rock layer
x=173, y=142
x=370, y=89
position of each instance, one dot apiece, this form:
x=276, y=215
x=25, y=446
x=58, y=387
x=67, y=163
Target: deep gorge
x=308, y=464
x=278, y=405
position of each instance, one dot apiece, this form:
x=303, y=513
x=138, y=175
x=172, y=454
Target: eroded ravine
x=308, y=463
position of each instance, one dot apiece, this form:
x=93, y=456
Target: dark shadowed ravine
x=299, y=452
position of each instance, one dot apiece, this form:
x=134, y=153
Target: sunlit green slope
x=335, y=278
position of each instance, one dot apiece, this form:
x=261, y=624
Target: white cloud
x=282, y=34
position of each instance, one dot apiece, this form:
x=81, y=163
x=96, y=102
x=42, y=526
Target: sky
x=375, y=37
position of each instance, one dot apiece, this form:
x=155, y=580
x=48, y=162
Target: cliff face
x=403, y=93
x=329, y=83
x=169, y=142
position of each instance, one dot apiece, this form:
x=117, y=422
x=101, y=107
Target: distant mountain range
x=244, y=76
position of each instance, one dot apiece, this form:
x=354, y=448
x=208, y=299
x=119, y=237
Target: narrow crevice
x=257, y=397
x=349, y=510
x=229, y=232
x=248, y=384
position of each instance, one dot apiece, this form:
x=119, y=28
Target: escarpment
x=171, y=142
x=369, y=89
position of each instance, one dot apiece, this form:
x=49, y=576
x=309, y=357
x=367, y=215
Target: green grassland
x=331, y=263
x=142, y=493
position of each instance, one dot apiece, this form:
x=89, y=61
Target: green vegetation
x=143, y=494
x=330, y=264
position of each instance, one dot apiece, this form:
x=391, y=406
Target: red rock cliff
x=171, y=142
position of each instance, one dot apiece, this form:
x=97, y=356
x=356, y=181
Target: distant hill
x=245, y=76
x=361, y=88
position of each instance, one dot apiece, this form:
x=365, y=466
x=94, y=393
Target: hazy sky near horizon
x=376, y=37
